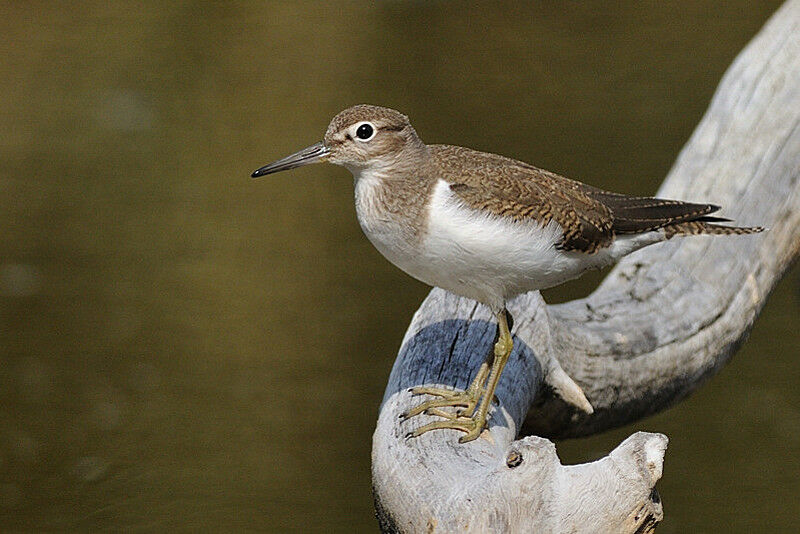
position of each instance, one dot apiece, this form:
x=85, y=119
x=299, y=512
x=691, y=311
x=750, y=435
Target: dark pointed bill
x=308, y=155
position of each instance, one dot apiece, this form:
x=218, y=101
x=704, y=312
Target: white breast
x=381, y=226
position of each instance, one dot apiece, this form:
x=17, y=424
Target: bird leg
x=469, y=420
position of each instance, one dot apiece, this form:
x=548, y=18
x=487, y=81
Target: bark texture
x=665, y=319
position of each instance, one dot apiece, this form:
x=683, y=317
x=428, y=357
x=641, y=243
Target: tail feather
x=704, y=227
x=713, y=219
x=636, y=215
x=641, y=215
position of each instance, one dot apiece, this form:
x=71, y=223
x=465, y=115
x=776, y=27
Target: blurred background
x=184, y=348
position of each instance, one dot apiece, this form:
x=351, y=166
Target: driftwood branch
x=665, y=319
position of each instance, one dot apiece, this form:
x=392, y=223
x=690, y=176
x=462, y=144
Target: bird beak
x=313, y=154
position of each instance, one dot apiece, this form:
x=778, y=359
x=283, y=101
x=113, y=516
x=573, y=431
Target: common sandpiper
x=485, y=227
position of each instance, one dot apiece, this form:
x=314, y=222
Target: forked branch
x=666, y=318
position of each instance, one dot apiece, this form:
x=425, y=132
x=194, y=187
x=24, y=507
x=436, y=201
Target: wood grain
x=665, y=319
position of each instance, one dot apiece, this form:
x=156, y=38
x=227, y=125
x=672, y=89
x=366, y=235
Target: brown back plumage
x=590, y=217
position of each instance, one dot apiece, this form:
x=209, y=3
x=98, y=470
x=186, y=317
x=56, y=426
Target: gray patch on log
x=664, y=320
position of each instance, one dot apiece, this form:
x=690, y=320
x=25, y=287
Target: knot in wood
x=513, y=459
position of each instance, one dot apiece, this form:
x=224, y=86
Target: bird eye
x=365, y=131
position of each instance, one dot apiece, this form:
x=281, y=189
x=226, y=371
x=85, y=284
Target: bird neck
x=407, y=162
x=391, y=193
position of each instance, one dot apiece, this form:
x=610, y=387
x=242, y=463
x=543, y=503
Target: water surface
x=182, y=348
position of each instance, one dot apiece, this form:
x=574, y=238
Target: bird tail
x=708, y=226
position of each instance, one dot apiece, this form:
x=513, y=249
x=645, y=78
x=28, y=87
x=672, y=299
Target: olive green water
x=184, y=349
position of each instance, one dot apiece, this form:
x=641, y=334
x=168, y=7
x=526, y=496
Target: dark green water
x=182, y=348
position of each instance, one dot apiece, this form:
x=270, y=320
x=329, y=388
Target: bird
x=485, y=227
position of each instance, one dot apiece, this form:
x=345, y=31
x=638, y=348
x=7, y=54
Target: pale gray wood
x=665, y=318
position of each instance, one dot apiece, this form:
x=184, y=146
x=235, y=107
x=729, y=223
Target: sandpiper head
x=364, y=135
x=358, y=137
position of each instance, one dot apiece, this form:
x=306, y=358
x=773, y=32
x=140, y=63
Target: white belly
x=490, y=258
x=479, y=256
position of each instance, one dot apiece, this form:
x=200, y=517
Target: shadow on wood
x=665, y=319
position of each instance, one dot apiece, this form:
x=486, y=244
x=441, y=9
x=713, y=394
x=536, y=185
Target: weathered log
x=665, y=319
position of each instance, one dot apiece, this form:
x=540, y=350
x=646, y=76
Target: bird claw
x=464, y=419
x=471, y=427
x=467, y=399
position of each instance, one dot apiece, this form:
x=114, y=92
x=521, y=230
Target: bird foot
x=471, y=426
x=464, y=419
x=466, y=399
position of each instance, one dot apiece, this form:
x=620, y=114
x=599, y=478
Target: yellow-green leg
x=469, y=420
x=451, y=397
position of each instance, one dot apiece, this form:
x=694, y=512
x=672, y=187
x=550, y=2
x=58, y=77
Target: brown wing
x=634, y=215
x=589, y=216
x=581, y=231
x=513, y=189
